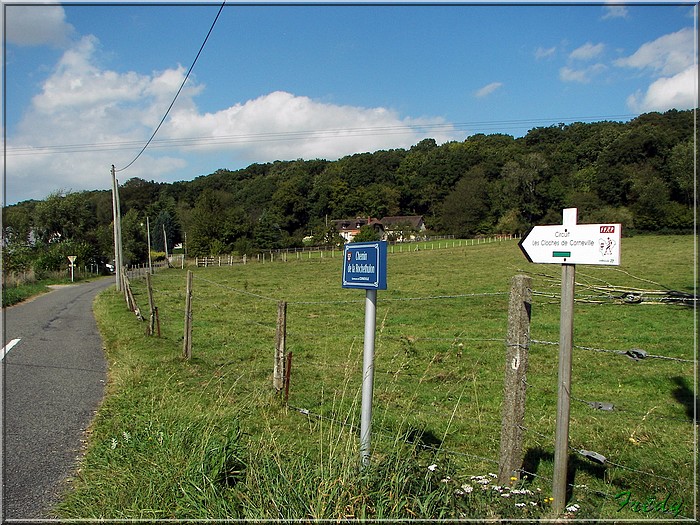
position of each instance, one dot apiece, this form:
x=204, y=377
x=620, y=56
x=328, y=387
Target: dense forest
x=639, y=173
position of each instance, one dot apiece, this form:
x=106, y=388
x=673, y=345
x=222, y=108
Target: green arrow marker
x=561, y=254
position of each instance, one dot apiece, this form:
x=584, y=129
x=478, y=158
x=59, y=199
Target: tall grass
x=206, y=438
x=18, y=287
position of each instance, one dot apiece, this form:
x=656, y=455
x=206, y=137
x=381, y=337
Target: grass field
x=208, y=439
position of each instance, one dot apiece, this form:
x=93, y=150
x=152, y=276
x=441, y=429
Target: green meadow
x=208, y=438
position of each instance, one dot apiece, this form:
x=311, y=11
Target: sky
x=87, y=84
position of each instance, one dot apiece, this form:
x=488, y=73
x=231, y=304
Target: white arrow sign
x=573, y=244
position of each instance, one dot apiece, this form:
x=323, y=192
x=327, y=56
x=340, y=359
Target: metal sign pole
x=368, y=375
x=71, y=259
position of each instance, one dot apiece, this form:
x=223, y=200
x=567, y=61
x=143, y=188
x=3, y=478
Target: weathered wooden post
x=122, y=286
x=151, y=305
x=287, y=376
x=280, y=347
x=517, y=346
x=187, y=340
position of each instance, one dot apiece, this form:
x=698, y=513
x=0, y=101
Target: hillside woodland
x=639, y=173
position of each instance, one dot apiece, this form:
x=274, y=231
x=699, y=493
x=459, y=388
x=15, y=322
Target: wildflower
x=432, y=467
x=513, y=478
x=493, y=475
x=505, y=495
x=572, y=508
x=467, y=489
x=519, y=504
x=114, y=443
x=522, y=491
x=533, y=503
x=446, y=479
x=126, y=436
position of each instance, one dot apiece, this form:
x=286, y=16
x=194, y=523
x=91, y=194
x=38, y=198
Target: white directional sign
x=573, y=244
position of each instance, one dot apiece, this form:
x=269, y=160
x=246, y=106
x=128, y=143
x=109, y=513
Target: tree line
x=639, y=173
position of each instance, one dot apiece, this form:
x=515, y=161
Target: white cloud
x=542, y=52
x=86, y=118
x=667, y=55
x=281, y=125
x=487, y=89
x=679, y=91
x=615, y=11
x=583, y=76
x=35, y=25
x=672, y=61
x=587, y=52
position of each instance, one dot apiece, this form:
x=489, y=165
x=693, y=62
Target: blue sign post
x=364, y=267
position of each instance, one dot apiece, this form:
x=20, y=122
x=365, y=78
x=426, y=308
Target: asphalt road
x=54, y=380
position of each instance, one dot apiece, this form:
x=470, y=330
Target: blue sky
x=87, y=84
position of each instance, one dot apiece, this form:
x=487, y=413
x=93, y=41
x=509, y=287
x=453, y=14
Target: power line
x=290, y=135
x=187, y=76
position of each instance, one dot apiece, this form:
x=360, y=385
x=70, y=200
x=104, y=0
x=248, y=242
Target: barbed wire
x=401, y=299
x=242, y=292
x=599, y=459
x=386, y=434
x=632, y=353
x=611, y=408
x=442, y=450
x=345, y=301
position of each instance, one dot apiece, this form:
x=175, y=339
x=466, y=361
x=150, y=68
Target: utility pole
x=117, y=231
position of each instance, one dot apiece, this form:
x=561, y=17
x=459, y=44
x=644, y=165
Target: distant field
x=206, y=438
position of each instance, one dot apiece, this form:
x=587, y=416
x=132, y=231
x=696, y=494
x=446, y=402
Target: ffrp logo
x=607, y=229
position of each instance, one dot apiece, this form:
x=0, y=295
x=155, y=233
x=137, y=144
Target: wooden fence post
x=130, y=301
x=187, y=340
x=280, y=347
x=517, y=345
x=122, y=279
x=151, y=305
x=287, y=376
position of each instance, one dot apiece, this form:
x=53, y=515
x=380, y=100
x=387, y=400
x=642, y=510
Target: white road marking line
x=6, y=349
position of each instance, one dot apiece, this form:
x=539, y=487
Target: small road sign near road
x=72, y=259
x=573, y=244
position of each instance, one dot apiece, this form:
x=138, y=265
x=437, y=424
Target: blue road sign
x=364, y=265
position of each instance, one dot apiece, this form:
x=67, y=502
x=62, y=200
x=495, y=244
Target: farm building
x=400, y=228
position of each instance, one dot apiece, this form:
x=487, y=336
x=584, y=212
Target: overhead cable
x=319, y=134
x=178, y=91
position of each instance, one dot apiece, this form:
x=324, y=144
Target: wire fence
x=459, y=372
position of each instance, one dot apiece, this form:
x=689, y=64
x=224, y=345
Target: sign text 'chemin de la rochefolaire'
x=573, y=244
x=364, y=265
